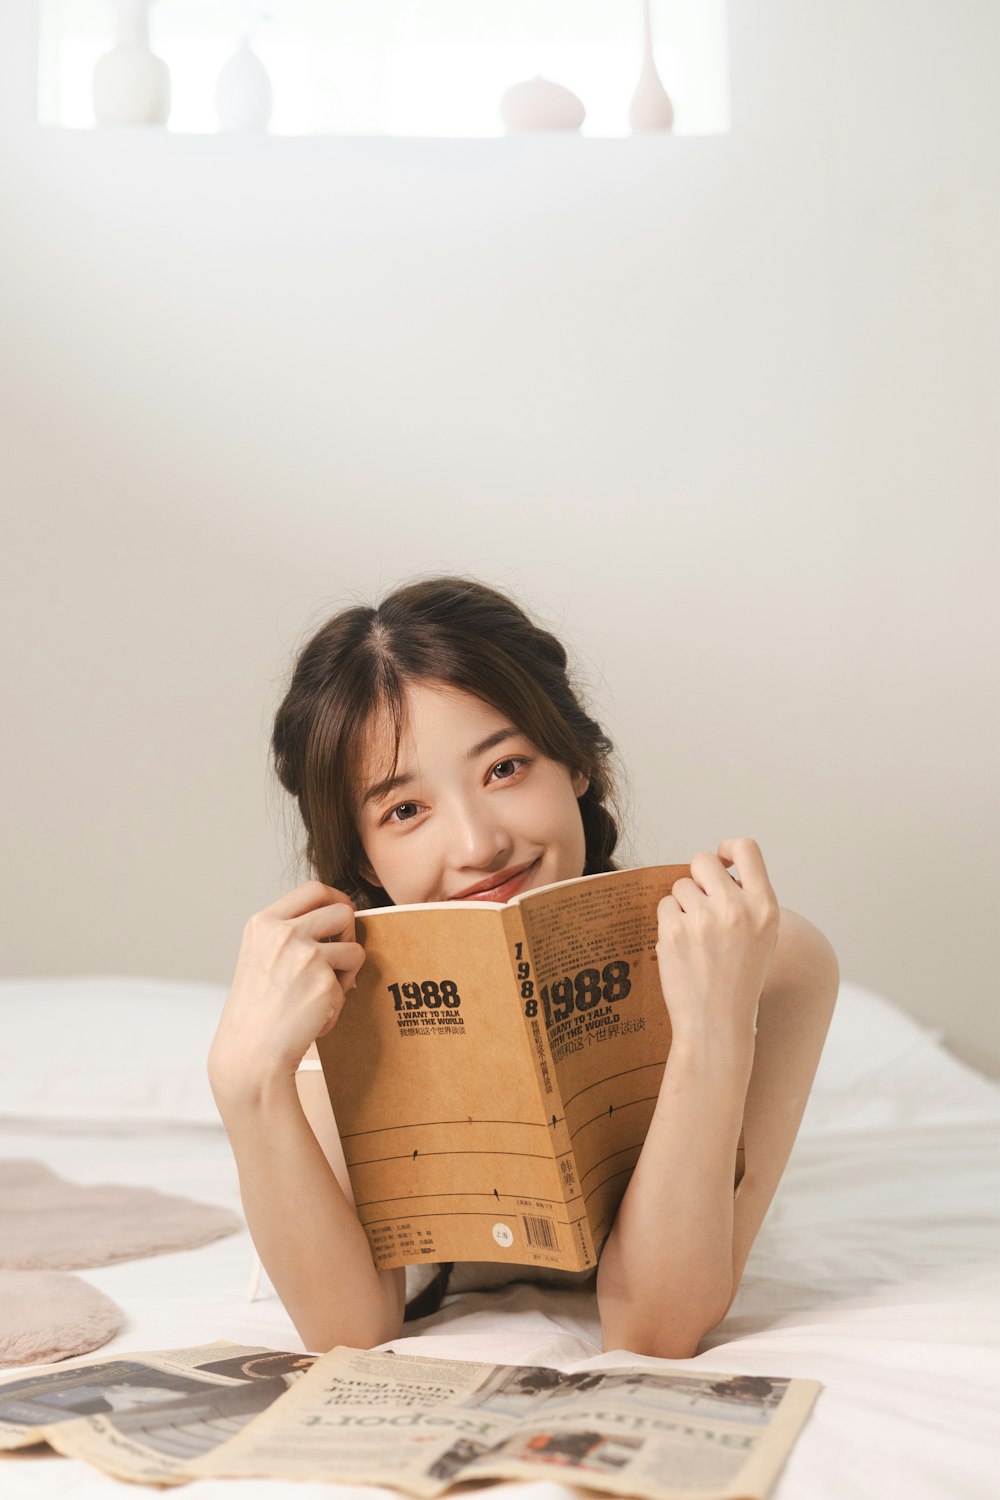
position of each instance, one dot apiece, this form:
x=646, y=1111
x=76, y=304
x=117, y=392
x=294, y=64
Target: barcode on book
x=539, y=1231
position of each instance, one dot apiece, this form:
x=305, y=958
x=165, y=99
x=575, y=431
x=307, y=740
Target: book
x=494, y=1071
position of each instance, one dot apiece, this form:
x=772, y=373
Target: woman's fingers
x=327, y=924
x=686, y=893
x=710, y=877
x=714, y=943
x=746, y=855
x=332, y=927
x=306, y=898
x=345, y=959
x=711, y=874
x=325, y=915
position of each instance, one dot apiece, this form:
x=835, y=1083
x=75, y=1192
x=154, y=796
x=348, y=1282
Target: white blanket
x=876, y=1270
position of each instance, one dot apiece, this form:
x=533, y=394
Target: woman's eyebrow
x=508, y=732
x=391, y=783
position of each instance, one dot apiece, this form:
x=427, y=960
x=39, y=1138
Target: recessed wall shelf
x=392, y=68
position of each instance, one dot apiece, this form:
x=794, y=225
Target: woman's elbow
x=648, y=1345
x=320, y=1338
x=359, y=1327
x=652, y=1342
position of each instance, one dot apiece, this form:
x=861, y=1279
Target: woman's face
x=472, y=802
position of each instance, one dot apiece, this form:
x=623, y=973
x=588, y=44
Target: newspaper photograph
x=141, y=1415
x=413, y=1424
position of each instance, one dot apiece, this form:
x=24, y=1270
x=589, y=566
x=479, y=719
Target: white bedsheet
x=876, y=1272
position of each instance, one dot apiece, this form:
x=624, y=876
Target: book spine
x=526, y=990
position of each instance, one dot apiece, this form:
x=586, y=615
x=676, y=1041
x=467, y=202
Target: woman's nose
x=476, y=838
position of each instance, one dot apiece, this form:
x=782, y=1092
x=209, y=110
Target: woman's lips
x=502, y=892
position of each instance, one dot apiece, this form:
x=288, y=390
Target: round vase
x=540, y=104
x=131, y=85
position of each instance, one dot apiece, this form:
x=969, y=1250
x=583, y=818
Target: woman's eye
x=503, y=770
x=390, y=815
x=517, y=761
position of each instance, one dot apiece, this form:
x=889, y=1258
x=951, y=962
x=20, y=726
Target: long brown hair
x=452, y=630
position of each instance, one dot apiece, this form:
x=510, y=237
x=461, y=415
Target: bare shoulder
x=801, y=948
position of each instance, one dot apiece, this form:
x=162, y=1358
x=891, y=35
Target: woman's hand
x=716, y=937
x=296, y=963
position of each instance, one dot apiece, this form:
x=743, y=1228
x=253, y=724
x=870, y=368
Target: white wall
x=723, y=411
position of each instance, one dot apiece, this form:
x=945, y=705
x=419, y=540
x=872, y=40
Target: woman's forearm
x=306, y=1232
x=666, y=1271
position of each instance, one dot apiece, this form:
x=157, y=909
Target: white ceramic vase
x=651, y=108
x=131, y=85
x=540, y=104
x=243, y=94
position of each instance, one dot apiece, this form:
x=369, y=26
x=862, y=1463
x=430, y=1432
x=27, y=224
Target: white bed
x=876, y=1271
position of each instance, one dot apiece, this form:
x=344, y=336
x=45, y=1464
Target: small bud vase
x=651, y=108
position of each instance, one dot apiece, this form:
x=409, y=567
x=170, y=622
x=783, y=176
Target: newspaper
x=494, y=1072
x=143, y=1416
x=413, y=1424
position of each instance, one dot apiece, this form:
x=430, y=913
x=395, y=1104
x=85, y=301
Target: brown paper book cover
x=494, y=1071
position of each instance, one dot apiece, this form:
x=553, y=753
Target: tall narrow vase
x=651, y=108
x=131, y=84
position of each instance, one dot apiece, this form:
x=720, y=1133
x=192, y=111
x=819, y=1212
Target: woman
x=438, y=750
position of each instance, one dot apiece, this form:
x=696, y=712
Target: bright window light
x=402, y=67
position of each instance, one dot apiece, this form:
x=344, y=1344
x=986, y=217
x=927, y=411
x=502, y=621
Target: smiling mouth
x=500, y=890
